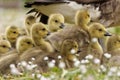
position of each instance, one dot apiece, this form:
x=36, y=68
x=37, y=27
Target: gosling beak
x=10, y=49
x=78, y=53
x=48, y=33
x=20, y=35
x=62, y=26
x=33, y=45
x=107, y=34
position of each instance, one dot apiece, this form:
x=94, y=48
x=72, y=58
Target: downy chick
x=113, y=49
x=38, y=33
x=68, y=49
x=12, y=33
x=24, y=43
x=113, y=43
x=55, y=22
x=29, y=21
x=4, y=46
x=82, y=18
x=96, y=31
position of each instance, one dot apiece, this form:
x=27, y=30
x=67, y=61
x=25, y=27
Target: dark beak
x=19, y=35
x=10, y=48
x=79, y=51
x=48, y=33
x=62, y=26
x=33, y=45
x=107, y=34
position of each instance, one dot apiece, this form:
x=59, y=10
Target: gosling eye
x=88, y=15
x=100, y=30
x=56, y=21
x=118, y=40
x=43, y=29
x=28, y=42
x=75, y=46
x=4, y=46
x=14, y=32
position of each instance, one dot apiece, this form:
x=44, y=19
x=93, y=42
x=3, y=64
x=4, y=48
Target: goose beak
x=19, y=35
x=107, y=34
x=33, y=45
x=62, y=26
x=79, y=51
x=10, y=49
x=48, y=33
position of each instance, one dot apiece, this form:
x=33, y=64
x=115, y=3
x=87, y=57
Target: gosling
x=24, y=43
x=38, y=33
x=68, y=49
x=113, y=44
x=4, y=46
x=12, y=33
x=96, y=31
x=55, y=22
x=82, y=18
x=29, y=21
x=113, y=49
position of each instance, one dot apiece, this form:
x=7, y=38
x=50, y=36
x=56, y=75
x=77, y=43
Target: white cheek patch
x=73, y=51
x=94, y=39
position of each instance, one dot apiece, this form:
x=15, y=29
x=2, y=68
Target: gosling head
x=12, y=32
x=69, y=47
x=97, y=30
x=56, y=22
x=39, y=30
x=4, y=46
x=82, y=17
x=24, y=43
x=113, y=42
x=29, y=21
